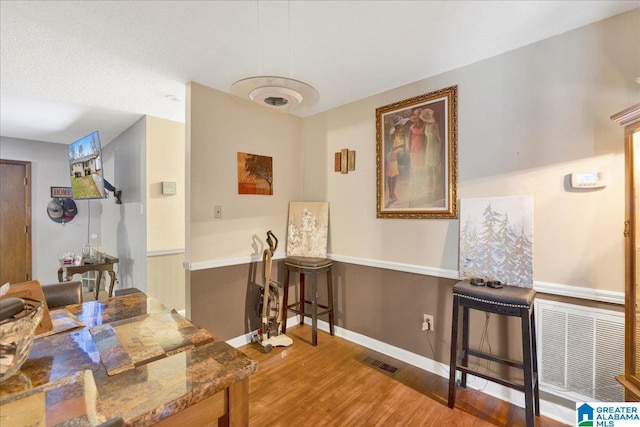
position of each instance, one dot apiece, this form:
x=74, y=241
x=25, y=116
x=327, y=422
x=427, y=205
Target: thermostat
x=168, y=187
x=596, y=179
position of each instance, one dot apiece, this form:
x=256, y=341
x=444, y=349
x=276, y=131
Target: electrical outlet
x=217, y=211
x=427, y=323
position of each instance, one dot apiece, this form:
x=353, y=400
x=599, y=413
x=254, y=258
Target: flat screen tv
x=85, y=167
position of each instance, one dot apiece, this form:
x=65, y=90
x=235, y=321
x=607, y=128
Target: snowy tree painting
x=308, y=229
x=496, y=239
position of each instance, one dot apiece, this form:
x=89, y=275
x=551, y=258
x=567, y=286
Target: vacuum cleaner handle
x=272, y=247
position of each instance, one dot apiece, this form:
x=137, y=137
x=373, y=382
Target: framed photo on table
x=417, y=156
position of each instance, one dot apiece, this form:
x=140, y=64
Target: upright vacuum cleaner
x=270, y=334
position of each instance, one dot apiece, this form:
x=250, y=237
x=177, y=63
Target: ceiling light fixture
x=282, y=93
x=277, y=92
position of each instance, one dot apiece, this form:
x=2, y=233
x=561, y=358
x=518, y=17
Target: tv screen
x=85, y=166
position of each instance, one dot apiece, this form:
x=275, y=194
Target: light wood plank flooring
x=330, y=385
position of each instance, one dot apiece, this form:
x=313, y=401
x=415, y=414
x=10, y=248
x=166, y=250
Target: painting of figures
x=417, y=157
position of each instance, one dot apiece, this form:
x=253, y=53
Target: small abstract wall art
x=496, y=239
x=308, y=229
x=255, y=174
x=344, y=161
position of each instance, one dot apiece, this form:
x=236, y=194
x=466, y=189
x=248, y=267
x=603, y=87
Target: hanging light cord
x=290, y=41
x=259, y=45
x=258, y=40
x=88, y=220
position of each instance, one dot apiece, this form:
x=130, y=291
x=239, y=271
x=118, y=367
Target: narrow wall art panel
x=496, y=239
x=308, y=229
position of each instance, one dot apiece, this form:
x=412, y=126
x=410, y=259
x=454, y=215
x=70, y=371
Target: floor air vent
x=385, y=367
x=580, y=351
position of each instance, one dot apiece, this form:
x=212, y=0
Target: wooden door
x=15, y=221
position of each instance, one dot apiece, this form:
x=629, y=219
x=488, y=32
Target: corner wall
x=124, y=230
x=526, y=119
x=218, y=127
x=165, y=160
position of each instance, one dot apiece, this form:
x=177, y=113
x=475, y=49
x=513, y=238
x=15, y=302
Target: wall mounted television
x=85, y=167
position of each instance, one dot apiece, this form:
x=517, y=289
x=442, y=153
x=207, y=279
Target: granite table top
x=143, y=395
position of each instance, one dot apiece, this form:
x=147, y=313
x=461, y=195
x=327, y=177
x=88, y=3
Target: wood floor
x=331, y=385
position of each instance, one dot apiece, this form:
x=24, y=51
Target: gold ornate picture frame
x=417, y=156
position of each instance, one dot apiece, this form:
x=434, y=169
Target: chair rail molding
x=571, y=291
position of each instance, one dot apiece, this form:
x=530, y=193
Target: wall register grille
x=580, y=351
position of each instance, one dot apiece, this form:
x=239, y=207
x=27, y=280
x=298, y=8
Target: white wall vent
x=580, y=351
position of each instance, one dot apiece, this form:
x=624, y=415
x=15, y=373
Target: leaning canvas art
x=308, y=229
x=496, y=239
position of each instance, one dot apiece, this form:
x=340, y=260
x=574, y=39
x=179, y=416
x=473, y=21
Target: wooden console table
x=67, y=271
x=202, y=384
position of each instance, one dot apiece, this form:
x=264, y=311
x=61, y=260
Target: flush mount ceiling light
x=281, y=93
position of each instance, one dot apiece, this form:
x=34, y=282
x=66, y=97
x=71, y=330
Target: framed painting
x=417, y=156
x=255, y=174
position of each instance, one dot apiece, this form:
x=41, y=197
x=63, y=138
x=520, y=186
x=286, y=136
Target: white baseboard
x=548, y=409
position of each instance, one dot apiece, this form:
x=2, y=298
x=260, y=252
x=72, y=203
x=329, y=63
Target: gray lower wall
x=223, y=300
x=385, y=305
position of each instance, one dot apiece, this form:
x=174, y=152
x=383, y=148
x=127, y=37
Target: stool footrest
x=293, y=308
x=496, y=359
x=504, y=382
x=307, y=302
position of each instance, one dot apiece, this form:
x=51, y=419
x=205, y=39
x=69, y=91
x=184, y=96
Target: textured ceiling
x=68, y=68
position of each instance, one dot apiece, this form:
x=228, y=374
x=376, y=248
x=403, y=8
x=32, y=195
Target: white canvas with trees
x=496, y=239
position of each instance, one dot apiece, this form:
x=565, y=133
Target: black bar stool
x=508, y=301
x=311, y=266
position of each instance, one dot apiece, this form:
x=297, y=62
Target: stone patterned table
x=194, y=387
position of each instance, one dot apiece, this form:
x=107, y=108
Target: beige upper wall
x=165, y=157
x=526, y=119
x=218, y=127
